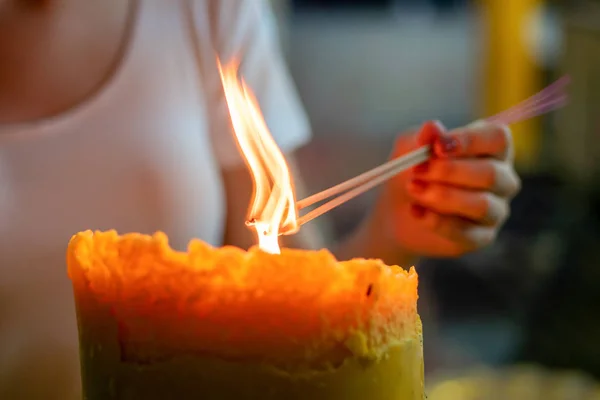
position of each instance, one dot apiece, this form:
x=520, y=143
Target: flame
x=273, y=204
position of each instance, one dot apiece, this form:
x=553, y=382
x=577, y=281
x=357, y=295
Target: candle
x=223, y=323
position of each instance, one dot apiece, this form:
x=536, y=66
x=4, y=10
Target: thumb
x=429, y=132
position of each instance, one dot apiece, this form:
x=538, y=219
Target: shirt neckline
x=39, y=126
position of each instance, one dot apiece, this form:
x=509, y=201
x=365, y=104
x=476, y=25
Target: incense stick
x=363, y=183
x=417, y=156
x=545, y=101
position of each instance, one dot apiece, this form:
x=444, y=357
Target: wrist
x=382, y=244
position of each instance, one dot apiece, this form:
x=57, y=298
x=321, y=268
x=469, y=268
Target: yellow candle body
x=105, y=376
x=135, y=348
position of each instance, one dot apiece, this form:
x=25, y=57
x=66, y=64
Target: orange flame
x=273, y=204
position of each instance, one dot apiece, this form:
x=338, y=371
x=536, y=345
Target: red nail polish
x=418, y=187
x=421, y=169
x=447, y=146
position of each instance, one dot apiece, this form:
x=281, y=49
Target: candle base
x=393, y=377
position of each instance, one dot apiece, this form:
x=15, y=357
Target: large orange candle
x=223, y=323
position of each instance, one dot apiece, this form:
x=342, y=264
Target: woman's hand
x=453, y=204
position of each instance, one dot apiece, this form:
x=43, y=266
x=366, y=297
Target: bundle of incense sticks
x=547, y=100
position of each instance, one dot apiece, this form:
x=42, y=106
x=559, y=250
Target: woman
x=112, y=116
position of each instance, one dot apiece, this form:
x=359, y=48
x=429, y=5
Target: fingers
x=471, y=173
x=480, y=139
x=465, y=235
x=463, y=194
x=475, y=140
x=482, y=208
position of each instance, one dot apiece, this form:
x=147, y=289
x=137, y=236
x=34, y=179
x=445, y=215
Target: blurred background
x=522, y=317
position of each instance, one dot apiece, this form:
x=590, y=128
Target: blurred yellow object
x=510, y=70
x=522, y=382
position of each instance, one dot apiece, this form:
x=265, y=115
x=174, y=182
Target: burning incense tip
x=274, y=203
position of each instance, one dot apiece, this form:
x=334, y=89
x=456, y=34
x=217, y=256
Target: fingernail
x=418, y=187
x=417, y=211
x=421, y=169
x=447, y=146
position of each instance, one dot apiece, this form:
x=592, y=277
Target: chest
x=55, y=56
x=135, y=157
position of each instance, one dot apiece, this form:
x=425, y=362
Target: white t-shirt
x=143, y=154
